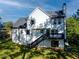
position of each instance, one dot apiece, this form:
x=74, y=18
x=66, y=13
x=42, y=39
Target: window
x=59, y=21
x=28, y=32
x=54, y=43
x=41, y=30
x=48, y=32
x=32, y=22
x=25, y=25
x=54, y=31
x=21, y=26
x=55, y=21
x=21, y=31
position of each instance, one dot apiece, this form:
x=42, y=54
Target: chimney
x=64, y=8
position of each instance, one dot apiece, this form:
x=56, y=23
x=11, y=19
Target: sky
x=12, y=10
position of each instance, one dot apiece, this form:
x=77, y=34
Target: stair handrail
x=38, y=38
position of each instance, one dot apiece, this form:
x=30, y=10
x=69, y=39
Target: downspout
x=64, y=10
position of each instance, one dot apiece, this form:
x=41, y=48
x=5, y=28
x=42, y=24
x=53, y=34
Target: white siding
x=14, y=35
x=39, y=16
x=45, y=43
x=19, y=36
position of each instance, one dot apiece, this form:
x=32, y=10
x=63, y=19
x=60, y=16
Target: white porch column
x=61, y=43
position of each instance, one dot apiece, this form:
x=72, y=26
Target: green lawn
x=10, y=50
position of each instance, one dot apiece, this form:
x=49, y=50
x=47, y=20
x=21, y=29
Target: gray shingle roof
x=53, y=14
x=20, y=22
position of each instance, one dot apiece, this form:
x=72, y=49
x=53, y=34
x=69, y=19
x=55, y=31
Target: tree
x=72, y=29
x=8, y=25
x=8, y=28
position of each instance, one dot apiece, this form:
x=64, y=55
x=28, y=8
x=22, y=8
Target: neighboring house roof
x=20, y=22
x=1, y=26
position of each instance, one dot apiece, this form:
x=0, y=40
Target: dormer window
x=25, y=25
x=21, y=26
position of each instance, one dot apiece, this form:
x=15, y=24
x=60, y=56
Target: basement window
x=54, y=43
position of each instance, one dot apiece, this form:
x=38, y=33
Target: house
x=1, y=28
x=1, y=25
x=41, y=29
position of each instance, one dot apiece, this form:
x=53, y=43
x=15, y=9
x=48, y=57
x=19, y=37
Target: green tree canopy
x=72, y=28
x=8, y=25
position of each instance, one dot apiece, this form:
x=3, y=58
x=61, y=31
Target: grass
x=10, y=50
